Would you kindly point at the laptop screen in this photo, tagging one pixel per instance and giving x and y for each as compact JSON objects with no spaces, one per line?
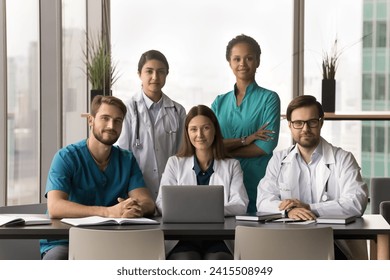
{"x":192,"y":203}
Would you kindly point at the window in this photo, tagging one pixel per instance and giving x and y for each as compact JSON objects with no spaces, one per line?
{"x":187,"y":33}
{"x":381,"y":34}
{"x":366,"y":138}
{"x":73,"y":74}
{"x":388,"y":138}
{"x":380,"y":87}
{"x":367,"y":33}
{"x":22,"y":102}
{"x":367,"y":86}
{"x":325,"y":21}
{"x":379,"y":139}
{"x":193,"y":36}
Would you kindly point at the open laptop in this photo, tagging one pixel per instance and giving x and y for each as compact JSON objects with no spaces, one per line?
{"x":192,"y":204}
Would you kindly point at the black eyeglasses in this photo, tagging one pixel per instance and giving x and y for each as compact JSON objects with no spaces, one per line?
{"x":300,"y":124}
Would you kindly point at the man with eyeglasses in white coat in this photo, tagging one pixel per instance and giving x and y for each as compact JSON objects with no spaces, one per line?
{"x":314,"y":178}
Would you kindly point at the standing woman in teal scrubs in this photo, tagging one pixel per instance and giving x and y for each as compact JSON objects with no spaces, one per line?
{"x":249,"y":115}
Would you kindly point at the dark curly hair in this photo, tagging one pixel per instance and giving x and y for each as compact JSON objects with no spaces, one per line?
{"x":243,"y":39}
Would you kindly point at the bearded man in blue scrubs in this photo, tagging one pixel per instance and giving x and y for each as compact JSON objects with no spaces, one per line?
{"x":95,"y":178}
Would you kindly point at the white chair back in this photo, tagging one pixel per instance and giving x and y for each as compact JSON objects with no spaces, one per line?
{"x":93,"y":244}
{"x":256,"y":243}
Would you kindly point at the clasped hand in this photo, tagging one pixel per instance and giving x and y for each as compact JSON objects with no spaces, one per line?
{"x":297,"y":209}
{"x":127,"y":208}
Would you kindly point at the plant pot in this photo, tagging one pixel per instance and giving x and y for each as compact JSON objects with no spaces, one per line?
{"x":95,"y":92}
{"x":329,"y":95}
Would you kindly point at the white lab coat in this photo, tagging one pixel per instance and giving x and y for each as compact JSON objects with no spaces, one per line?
{"x":347,"y":192}
{"x":158,"y":143}
{"x":227,"y":172}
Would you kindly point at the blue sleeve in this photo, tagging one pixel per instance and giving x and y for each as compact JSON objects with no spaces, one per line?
{"x":271,"y":115}
{"x":60,"y":174}
{"x":214,"y":105}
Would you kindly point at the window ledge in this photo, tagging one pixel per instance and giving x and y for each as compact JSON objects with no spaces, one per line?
{"x":363,"y":116}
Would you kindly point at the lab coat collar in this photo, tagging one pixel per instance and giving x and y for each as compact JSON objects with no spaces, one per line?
{"x":291,"y":154}
{"x":199,"y":171}
{"x":322,"y":169}
{"x":144,"y":102}
{"x":326,"y":152}
{"x":148,"y":102}
{"x":142,"y":97}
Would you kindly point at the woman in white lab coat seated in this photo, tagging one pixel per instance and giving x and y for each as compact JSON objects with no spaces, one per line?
{"x":202,"y":160}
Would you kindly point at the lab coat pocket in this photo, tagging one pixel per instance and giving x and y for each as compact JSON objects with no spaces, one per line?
{"x":285,"y":191}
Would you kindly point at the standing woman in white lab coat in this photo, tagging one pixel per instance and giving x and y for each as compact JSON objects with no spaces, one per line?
{"x":202,"y":160}
{"x":154,"y":123}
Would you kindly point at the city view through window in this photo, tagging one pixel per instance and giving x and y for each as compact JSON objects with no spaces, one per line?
{"x":193,"y":36}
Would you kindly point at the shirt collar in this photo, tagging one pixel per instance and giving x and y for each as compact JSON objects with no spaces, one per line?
{"x":198,"y":170}
{"x":316,"y":155}
{"x":249,"y":88}
{"x":149,"y":102}
{"x":317,"y":152}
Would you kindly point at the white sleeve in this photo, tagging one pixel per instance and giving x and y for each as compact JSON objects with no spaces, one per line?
{"x":268,"y":193}
{"x":124,"y":139}
{"x":238,"y":198}
{"x":168,"y":178}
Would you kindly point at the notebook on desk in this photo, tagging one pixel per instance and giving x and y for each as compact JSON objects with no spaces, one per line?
{"x":192,"y":204}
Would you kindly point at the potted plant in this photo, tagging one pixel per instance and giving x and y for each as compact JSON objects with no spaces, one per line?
{"x":329,"y":68}
{"x":100,"y":69}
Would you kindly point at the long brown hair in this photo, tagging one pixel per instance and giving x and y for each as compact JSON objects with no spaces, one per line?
{"x":187,"y":149}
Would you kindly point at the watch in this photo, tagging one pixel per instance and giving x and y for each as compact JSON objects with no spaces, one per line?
{"x":288,"y":210}
{"x":243,"y":140}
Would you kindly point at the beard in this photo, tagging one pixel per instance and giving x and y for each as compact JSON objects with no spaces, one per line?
{"x":108,"y":142}
{"x":308,"y":140}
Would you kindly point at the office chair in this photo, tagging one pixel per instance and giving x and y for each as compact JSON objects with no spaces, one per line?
{"x":384,"y":210}
{"x":380,"y":191}
{"x":21,"y":249}
{"x":93,"y":244}
{"x":257,"y":243}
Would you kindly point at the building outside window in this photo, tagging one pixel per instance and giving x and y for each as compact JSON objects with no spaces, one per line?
{"x":195,"y":49}
{"x":375,"y":160}
{"x":22,"y":102}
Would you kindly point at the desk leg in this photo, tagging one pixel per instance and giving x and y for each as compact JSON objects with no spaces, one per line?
{"x":373,"y":250}
{"x":383,"y":247}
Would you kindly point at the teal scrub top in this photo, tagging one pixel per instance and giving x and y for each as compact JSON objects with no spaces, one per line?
{"x":258,"y":107}
{"x":74,"y":171}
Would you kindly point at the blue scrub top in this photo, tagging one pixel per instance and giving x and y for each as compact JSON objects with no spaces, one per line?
{"x":74,"y":171}
{"x":258,"y":107}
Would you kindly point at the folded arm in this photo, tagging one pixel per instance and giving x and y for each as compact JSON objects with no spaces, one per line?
{"x":237,"y":148}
